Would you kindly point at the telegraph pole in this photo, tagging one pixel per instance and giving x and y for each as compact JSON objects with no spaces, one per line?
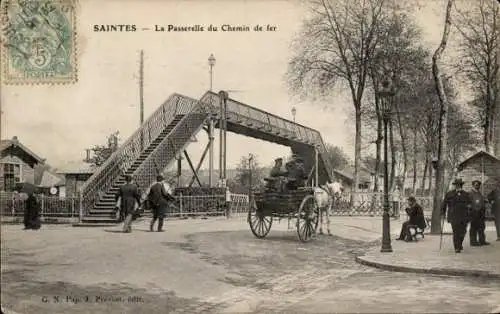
{"x":141,"y":86}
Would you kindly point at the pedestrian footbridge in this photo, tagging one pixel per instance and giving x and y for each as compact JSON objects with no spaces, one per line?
{"x":169,"y":130}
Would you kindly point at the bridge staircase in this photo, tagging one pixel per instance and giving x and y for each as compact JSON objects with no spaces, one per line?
{"x":151,"y":149}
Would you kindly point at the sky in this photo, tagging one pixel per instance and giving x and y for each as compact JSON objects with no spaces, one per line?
{"x":59,"y":122}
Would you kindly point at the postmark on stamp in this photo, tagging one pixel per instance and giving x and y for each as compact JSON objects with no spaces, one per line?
{"x":38,"y":41}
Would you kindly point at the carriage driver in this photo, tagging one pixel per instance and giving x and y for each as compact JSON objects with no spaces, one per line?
{"x":277,"y":174}
{"x":296,"y":173}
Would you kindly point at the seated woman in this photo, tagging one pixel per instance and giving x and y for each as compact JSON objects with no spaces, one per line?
{"x":416,"y":218}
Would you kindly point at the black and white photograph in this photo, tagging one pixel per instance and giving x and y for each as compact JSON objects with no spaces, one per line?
{"x":250,"y":156}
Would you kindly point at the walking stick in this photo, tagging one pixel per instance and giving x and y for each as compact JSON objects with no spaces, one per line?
{"x":441,"y":236}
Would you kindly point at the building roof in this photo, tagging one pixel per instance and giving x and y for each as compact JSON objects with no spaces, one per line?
{"x":348,"y":173}
{"x":4,"y":144}
{"x":77,"y":167}
{"x":479,"y":154}
{"x":50,"y":179}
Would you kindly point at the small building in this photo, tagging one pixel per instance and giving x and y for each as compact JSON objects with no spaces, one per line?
{"x":346,"y":178}
{"x":17,"y":164}
{"x":75,"y":175}
{"x":52,"y":184}
{"x":481,"y":166}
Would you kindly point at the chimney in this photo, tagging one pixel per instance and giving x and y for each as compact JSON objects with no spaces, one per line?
{"x":88,"y":155}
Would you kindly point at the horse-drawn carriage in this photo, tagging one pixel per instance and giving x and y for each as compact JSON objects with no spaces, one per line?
{"x":270,"y":204}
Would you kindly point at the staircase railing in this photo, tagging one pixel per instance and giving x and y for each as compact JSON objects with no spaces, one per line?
{"x":104,"y":177}
{"x":173,"y":145}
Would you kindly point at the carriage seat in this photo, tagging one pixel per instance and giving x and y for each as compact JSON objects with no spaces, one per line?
{"x":273,"y":183}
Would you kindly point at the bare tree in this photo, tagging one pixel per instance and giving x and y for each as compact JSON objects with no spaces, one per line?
{"x":443,"y":100}
{"x":336,"y":46}
{"x":479,"y":27}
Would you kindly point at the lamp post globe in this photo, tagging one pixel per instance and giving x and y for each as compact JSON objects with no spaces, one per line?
{"x":386,"y":94}
{"x":211,"y":63}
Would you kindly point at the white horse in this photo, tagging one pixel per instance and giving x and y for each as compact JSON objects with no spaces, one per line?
{"x":325,"y":197}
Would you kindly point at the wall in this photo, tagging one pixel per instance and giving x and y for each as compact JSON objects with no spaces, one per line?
{"x":27,"y":173}
{"x":473,"y":171}
{"x":74,"y":182}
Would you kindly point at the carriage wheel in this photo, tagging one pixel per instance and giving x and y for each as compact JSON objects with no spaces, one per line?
{"x":259,"y":224}
{"x":307,"y":218}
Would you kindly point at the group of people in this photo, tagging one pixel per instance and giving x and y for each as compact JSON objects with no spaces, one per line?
{"x":290,"y":178}
{"x":470,"y":207}
{"x":462,"y":208}
{"x":157,"y":198}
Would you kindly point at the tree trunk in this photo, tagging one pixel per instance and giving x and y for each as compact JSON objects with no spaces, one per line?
{"x":378,"y":155}
{"x":429,"y":188}
{"x":393,"y":156}
{"x":402,"y":134}
{"x":443,"y":119}
{"x":357,"y":152}
{"x":424,"y":173}
{"x":414,"y":184}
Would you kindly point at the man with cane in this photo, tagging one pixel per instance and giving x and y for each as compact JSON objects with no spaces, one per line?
{"x":458,"y":203}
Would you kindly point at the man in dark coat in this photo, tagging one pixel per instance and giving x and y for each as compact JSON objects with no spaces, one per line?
{"x":276,"y":175}
{"x":130,"y":198}
{"x":494,"y":199}
{"x":458,"y":203}
{"x":296,"y":173}
{"x":478,"y":216}
{"x":415,"y":218}
{"x":158,"y":198}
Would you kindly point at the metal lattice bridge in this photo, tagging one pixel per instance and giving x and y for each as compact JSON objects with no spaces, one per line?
{"x":169,"y":130}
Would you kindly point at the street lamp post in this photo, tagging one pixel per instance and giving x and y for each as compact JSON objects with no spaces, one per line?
{"x":386,"y":94}
{"x":211,"y":63}
{"x":294,"y":111}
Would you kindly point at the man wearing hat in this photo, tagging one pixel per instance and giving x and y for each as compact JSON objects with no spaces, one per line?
{"x":478,"y":216}
{"x":129,"y":198}
{"x":276,"y":171}
{"x":458,"y":203}
{"x":277,"y":174}
{"x":158,"y":196}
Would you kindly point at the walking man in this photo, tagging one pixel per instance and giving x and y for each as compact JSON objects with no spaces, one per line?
{"x":129,"y":199}
{"x":478,"y":216}
{"x":159,"y":195}
{"x":458,"y":203}
{"x":494,"y":199}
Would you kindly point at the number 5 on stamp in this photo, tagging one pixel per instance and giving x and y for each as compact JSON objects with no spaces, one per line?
{"x":38,"y":42}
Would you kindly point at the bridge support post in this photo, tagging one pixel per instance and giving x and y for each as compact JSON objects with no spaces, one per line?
{"x":316,"y":176}
{"x":211,"y":152}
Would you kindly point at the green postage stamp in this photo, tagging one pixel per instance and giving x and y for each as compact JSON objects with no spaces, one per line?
{"x":38,"y":41}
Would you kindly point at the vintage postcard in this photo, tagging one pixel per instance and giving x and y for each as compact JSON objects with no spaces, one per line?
{"x":250,"y":156}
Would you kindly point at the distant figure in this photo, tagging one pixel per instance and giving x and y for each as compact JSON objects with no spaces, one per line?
{"x":396,"y":199}
{"x":458,"y":203}
{"x":130,"y":197}
{"x":159,"y":196}
{"x":494,"y":199}
{"x":32,"y":210}
{"x":415,"y":218}
{"x":478,"y":216}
